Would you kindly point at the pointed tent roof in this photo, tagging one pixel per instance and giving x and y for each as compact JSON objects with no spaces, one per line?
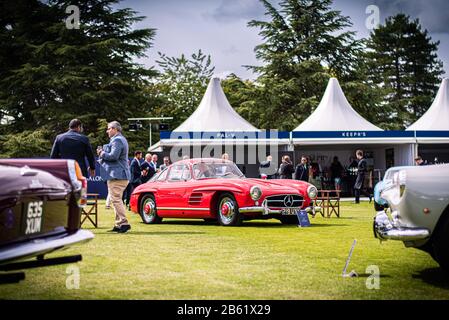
{"x":215,"y":114}
{"x":437,"y":117}
{"x":334,"y":113}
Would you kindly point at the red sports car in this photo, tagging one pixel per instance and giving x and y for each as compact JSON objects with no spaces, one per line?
{"x":215,"y":189}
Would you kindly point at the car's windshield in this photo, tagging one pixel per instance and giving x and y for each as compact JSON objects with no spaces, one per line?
{"x":205,"y":170}
{"x":159,"y":176}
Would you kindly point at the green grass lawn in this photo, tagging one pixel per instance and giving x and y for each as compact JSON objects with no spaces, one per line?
{"x":191,"y":259}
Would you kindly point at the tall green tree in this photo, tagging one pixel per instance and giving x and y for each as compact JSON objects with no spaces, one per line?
{"x":304,"y":44}
{"x":403,"y":64}
{"x":181,"y":84}
{"x":50,"y":73}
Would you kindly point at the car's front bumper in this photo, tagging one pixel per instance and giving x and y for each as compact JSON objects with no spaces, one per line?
{"x":266,"y":211}
{"x":384,"y":229}
{"x":42,"y":246}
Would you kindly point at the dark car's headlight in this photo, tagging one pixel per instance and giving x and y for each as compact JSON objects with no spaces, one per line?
{"x":255,"y":193}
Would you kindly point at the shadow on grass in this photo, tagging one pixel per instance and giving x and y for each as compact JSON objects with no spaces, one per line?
{"x":216,"y":224}
{"x":315,"y":225}
{"x":434,"y":276}
{"x":367,"y":275}
{"x":249,"y":224}
{"x":155,"y":233}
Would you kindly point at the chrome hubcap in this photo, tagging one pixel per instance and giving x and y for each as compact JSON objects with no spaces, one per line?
{"x":227,"y":210}
{"x":149,"y":209}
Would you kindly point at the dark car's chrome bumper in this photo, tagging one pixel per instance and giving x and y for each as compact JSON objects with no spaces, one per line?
{"x":384,"y":230}
{"x":42,"y":246}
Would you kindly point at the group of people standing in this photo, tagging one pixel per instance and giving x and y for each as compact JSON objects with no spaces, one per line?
{"x":142,"y":170}
{"x":120,"y":175}
{"x":307,"y":172}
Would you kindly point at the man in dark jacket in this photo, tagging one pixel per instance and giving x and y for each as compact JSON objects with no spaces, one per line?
{"x":76,"y":146}
{"x":148,"y":170}
{"x":266,"y":170}
{"x":135,"y":169}
{"x":302,"y":170}
{"x":286,"y":169}
{"x":362,"y":170}
{"x":136,"y":172}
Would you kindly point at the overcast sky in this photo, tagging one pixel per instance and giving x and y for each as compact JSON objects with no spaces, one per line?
{"x":219,"y":27}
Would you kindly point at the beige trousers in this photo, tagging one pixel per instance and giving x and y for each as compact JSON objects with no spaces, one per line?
{"x":115,"y":190}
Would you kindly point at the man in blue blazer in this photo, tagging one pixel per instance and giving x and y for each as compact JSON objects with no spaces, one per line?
{"x":115,"y":170}
{"x":74,"y":145}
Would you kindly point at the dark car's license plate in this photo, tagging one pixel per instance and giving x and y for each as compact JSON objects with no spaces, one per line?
{"x":289,"y":211}
{"x":33,"y":215}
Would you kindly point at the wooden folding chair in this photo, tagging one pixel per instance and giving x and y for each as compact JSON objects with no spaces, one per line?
{"x":334,"y":204}
{"x":322,"y":201}
{"x":90,"y":210}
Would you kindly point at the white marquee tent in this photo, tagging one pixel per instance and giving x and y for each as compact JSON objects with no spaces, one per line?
{"x":215,"y":113}
{"x":334,"y":113}
{"x":432,"y":129}
{"x":336,"y":129}
{"x":216,"y":125}
{"x":437,"y":116}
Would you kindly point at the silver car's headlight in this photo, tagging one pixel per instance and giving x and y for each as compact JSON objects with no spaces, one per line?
{"x":394,"y":191}
{"x":255,"y":193}
{"x":312,"y":192}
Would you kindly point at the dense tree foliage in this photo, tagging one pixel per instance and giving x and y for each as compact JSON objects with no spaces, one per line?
{"x":403,"y":64}
{"x":181,"y":85}
{"x":50,"y":74}
{"x":304,"y":44}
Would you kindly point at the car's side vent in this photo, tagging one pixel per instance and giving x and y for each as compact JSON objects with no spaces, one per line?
{"x":195,"y":198}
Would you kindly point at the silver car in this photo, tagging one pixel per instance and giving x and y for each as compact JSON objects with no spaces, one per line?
{"x":418,"y":210}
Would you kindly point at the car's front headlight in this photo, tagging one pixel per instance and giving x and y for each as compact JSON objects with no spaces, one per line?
{"x":255,"y":193}
{"x":312,"y":192}
{"x":394,"y":190}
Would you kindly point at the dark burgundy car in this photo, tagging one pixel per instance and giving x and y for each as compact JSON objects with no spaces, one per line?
{"x":40,"y":203}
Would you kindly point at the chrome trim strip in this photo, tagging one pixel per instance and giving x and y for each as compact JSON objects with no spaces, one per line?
{"x":181,"y":208}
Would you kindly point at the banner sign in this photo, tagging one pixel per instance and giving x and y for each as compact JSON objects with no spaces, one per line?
{"x":352,"y":134}
{"x":228,"y":135}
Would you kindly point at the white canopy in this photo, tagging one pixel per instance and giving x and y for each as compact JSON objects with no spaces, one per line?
{"x":334,"y":113}
{"x":215,"y":114}
{"x":437,"y":117}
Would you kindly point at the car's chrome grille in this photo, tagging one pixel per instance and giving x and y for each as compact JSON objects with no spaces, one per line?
{"x":284,"y":201}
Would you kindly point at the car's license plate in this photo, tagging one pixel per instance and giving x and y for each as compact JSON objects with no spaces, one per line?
{"x":33,"y":217}
{"x":289,"y":211}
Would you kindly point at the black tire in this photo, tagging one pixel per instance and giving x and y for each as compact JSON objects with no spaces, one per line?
{"x":289,"y":220}
{"x":378,"y":207}
{"x":149,"y":217}
{"x":232,"y":216}
{"x":441,"y":245}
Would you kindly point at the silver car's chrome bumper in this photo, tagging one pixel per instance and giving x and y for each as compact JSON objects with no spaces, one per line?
{"x":43,"y":245}
{"x":265,"y":210}
{"x":384,"y":230}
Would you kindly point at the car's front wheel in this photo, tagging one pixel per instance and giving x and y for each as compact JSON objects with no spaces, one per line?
{"x":148,"y":210}
{"x":228,"y":211}
{"x":441,"y":245}
{"x":378,"y":207}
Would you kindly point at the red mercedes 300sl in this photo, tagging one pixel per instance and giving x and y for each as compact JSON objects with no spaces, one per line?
{"x":215,"y":189}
